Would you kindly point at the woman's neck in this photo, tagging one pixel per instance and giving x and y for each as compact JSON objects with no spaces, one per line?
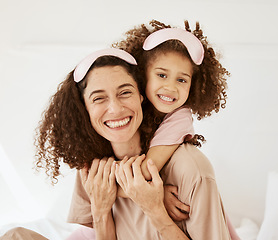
{"x":129,"y":149}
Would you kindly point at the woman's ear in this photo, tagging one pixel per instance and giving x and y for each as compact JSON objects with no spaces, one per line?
{"x":141,"y":98}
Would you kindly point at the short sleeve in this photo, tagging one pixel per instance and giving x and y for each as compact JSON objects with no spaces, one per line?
{"x":174,"y":128}
{"x":80,"y":208}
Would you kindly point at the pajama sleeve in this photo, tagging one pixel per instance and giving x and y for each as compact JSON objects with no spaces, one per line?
{"x":174,"y":128}
{"x":80,"y":208}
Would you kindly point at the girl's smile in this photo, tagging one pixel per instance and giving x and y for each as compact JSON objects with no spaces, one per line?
{"x":168,"y":81}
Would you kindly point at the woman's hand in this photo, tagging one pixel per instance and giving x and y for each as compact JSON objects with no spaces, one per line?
{"x":146,"y":194}
{"x":100,"y":184}
{"x":176,"y":209}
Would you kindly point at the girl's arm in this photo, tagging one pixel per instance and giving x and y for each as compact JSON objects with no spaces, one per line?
{"x":159,"y":155}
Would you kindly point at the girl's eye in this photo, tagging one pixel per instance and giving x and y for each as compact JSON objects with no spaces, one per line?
{"x":182,"y":80}
{"x":161,"y":75}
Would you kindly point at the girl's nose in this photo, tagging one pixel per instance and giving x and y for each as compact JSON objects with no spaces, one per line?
{"x":170,"y":85}
{"x":115,"y":106}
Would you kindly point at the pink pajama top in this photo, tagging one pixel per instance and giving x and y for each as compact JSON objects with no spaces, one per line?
{"x":176,"y":126}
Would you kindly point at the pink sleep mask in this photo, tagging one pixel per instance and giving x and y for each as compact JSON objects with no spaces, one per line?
{"x":83,"y":67}
{"x":189,"y":40}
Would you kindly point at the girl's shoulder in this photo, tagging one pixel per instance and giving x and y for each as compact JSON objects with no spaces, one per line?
{"x":182,"y":112}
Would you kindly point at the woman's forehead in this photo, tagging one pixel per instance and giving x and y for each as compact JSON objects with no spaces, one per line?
{"x":109,"y":76}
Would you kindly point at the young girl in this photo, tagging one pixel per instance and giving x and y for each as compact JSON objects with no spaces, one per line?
{"x":182,"y":75}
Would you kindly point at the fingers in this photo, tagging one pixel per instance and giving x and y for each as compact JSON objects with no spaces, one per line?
{"x":172,"y":189}
{"x":128,"y":170}
{"x":177,"y":215}
{"x":93,"y":170}
{"x":175,"y":201}
{"x":112,"y":176}
{"x":120,"y":175}
{"x":176,"y":209}
{"x":136,"y":168}
{"x":88,"y":173}
{"x":173,"y":210}
{"x":156,"y":179}
{"x":107,"y":169}
{"x":182,"y":207}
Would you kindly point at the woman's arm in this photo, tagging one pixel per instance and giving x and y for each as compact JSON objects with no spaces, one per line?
{"x":148,"y":195}
{"x":100,"y":184}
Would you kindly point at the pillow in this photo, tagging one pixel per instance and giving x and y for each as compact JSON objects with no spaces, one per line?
{"x":248,"y":230}
{"x":269,"y":228}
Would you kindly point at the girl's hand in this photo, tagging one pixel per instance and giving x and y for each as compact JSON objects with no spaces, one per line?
{"x":176,"y":209}
{"x":100,"y":184}
{"x":147,"y":195}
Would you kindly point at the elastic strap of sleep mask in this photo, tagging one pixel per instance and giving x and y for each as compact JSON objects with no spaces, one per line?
{"x":83,"y":67}
{"x":189,"y":40}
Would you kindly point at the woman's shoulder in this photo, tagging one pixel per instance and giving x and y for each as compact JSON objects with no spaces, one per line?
{"x":192,"y":162}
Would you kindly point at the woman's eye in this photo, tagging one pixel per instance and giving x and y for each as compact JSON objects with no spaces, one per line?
{"x":98,"y":99}
{"x":125,"y":93}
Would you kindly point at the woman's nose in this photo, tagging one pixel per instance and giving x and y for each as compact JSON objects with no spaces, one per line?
{"x":115,"y":106}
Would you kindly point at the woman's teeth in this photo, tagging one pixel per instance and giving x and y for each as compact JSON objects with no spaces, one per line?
{"x":167,"y":99}
{"x":116,"y":124}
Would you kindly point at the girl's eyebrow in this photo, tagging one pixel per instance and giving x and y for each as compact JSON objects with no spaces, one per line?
{"x":166,"y":70}
{"x":119,"y":87}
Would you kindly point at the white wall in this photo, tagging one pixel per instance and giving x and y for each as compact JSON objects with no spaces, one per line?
{"x":41,"y":41}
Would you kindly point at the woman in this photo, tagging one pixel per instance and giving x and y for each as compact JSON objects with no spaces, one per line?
{"x":113,"y":102}
{"x":74,"y":134}
{"x":68,"y":127}
{"x":143,"y":215}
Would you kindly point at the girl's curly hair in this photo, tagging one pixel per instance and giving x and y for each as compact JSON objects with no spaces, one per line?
{"x":208,"y":84}
{"x":65,"y":133}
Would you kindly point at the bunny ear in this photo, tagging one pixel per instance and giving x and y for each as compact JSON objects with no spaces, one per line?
{"x":83,"y":67}
{"x":189,"y":40}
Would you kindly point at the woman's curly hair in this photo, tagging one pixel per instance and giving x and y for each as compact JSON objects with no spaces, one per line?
{"x":208,"y":84}
{"x":65,"y":133}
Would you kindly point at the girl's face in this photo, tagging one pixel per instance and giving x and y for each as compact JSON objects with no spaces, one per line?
{"x":113,"y":102}
{"x":168,"y":81}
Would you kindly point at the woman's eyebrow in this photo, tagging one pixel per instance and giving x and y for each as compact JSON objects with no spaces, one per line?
{"x":119,"y":87}
{"x":96,"y":91}
{"x":126,"y":85}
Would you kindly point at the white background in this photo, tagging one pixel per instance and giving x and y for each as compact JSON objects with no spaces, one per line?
{"x":41,"y":41}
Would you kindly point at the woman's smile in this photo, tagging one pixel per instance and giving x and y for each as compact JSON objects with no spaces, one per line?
{"x":113,"y":102}
{"x":115,"y":124}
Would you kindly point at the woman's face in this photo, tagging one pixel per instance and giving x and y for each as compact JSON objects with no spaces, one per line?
{"x":113,"y":102}
{"x":168,"y":81}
